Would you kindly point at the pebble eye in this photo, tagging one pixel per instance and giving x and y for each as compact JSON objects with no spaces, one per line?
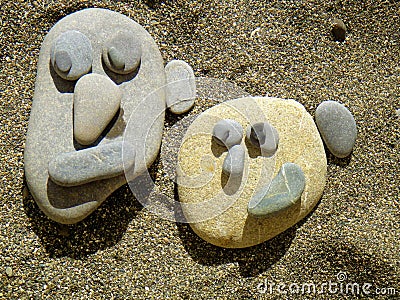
{"x":122,"y":53}
{"x":71,"y":55}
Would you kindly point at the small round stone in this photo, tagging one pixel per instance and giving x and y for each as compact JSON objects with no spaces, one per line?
{"x":281,"y":194}
{"x":234,"y":162}
{"x":9,"y":271}
{"x":339,"y":30}
{"x":337,"y":127}
{"x":398,"y":113}
{"x":122,"y":53}
{"x":228,"y":132}
{"x":71,"y":55}
{"x":265,"y":136}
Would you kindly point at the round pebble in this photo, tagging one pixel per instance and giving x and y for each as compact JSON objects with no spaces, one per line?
{"x":265,"y":136}
{"x":339,"y":30}
{"x":122,"y":53}
{"x":337,"y":127}
{"x":71,"y":55}
{"x":228,"y":133}
{"x":9,"y":271}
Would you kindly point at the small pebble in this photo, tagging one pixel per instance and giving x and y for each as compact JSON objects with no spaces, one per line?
{"x":122,"y":53}
{"x":9,"y":271}
{"x":337,"y":127}
{"x":398,"y":113}
{"x":338,"y":30}
{"x":181,"y":86}
{"x":281,"y":194}
{"x":265,"y":136}
{"x":228,"y":133}
{"x":234,"y":162}
{"x":71,"y":55}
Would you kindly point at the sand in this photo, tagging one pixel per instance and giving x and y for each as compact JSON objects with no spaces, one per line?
{"x":279,"y":48}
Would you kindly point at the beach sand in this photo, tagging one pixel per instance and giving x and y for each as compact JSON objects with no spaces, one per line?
{"x":276,"y":48}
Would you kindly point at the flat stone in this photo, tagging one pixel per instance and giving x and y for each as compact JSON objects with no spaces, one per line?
{"x":339,"y":30}
{"x":337,"y":127}
{"x":227,"y":133}
{"x":234,"y":162}
{"x":265,"y":136}
{"x":220,"y":215}
{"x":122,"y":53}
{"x":281,"y":194}
{"x":96,"y":101}
{"x":181,"y":86}
{"x":51,"y":125}
{"x":71,"y":55}
{"x":80,"y":167}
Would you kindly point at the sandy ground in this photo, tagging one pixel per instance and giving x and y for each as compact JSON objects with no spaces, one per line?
{"x":275,"y":48}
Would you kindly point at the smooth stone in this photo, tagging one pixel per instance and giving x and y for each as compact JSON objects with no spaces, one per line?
{"x":9,"y":272}
{"x":337,"y":127}
{"x":339,"y":30}
{"x":80,"y":167}
{"x":71,"y":55}
{"x":223,"y":220}
{"x":234,"y":162}
{"x":122,"y":53}
{"x":96,"y":101}
{"x":265,"y":136}
{"x":51,"y":124}
{"x":181,"y":86}
{"x":281,"y":194}
{"x":228,"y":133}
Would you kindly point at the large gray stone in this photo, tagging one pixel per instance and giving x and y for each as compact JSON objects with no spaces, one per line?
{"x":337,"y":127}
{"x":96,"y":101}
{"x":50,"y":131}
{"x":281,"y":194}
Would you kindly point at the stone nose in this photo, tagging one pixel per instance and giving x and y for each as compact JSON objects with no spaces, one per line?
{"x":96,"y":101}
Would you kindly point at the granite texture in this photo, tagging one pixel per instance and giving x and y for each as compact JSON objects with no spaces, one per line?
{"x":300,"y":143}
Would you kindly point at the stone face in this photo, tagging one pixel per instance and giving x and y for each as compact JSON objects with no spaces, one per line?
{"x":71,"y":55}
{"x":337,"y":127}
{"x":227,"y":133}
{"x":122,"y":53}
{"x":299,"y":143}
{"x":339,"y":30}
{"x":264,"y":136}
{"x":51,"y":124}
{"x":281,"y":194}
{"x":234,"y":162}
{"x":80,"y":167}
{"x":181,"y":86}
{"x":96,"y":100}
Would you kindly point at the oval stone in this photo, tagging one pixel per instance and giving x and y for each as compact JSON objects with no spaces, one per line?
{"x":337,"y":127}
{"x":234,"y":227}
{"x":228,"y":133}
{"x":234,"y":161}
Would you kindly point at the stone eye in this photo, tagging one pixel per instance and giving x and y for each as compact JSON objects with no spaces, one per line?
{"x":265,"y":136}
{"x":122,"y":53}
{"x":71,"y":55}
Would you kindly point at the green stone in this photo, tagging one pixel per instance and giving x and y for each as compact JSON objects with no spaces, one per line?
{"x":281,"y":194}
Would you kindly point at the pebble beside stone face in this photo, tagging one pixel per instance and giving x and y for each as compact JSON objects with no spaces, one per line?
{"x":234,"y":162}
{"x":265,"y":136}
{"x":228,"y":133}
{"x":337,"y":127}
{"x":71,"y":55}
{"x":281,"y":194}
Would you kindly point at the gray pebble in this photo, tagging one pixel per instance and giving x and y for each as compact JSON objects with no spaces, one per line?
{"x":80,"y":167}
{"x":71,"y":55}
{"x":234,"y":162}
{"x":283,"y":193}
{"x":228,"y":133}
{"x":122,"y":53}
{"x":337,"y":127}
{"x":265,"y":136}
{"x":181,"y":86}
{"x":96,"y":101}
{"x":339,"y":30}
